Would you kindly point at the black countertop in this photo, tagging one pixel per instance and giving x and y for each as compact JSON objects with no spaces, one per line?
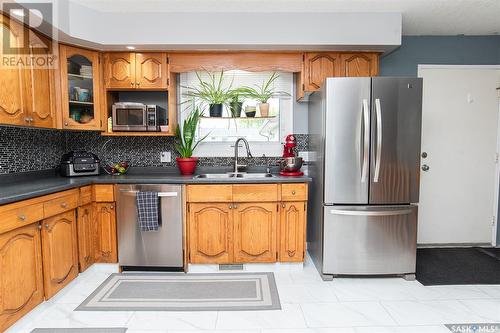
{"x":27,"y":185}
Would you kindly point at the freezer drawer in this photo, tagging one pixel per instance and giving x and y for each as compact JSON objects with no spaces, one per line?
{"x":162,"y":248}
{"x":370,"y":240}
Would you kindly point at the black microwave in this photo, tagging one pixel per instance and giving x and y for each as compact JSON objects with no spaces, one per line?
{"x":138,"y":117}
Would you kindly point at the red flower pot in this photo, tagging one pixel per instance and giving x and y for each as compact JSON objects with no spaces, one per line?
{"x":187,"y":166}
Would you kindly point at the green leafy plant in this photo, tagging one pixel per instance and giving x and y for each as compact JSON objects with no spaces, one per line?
{"x":263,"y":92}
{"x":211,"y":91}
{"x":186,"y":135}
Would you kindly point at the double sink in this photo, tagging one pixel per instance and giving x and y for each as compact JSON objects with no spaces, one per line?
{"x":232,"y":175}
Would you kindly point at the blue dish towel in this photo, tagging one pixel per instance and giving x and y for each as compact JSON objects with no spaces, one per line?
{"x":148,"y":209}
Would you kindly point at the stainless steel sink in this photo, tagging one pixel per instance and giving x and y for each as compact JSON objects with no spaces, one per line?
{"x":232,"y":175}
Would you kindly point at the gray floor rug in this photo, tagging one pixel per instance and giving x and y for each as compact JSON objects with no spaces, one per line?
{"x":184,"y":292}
{"x":79,"y":330}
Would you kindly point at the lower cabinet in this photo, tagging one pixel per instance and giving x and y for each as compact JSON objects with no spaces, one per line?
{"x":85,"y":225}
{"x":255,"y":232}
{"x":292,"y":231}
{"x":60,"y":252}
{"x":249,"y":223}
{"x":105,"y":245}
{"x":210,"y":233}
{"x":21,"y":282}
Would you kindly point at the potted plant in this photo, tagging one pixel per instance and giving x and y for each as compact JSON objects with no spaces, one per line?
{"x":187,"y":143}
{"x":263,"y":93}
{"x":212,"y":92}
{"x":235,"y":105}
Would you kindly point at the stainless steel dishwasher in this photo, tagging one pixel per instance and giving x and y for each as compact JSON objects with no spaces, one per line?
{"x":153,"y":249}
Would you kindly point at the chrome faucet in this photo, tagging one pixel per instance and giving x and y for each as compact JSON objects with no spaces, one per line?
{"x":236,"y":146}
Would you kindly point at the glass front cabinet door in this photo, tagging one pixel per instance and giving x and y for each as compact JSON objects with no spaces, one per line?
{"x":80,"y":86}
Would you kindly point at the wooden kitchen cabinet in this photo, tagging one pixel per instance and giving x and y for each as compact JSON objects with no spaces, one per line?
{"x":210,"y":233}
{"x":60,"y":252}
{"x":359,"y":64}
{"x":319,"y":66}
{"x":21,"y":282}
{"x":128,"y":70}
{"x":40,"y":86}
{"x":26,"y":92}
{"x":85,"y":228}
{"x":292,"y":231}
{"x":80,"y":88}
{"x":105,"y":246}
{"x":255,"y":232}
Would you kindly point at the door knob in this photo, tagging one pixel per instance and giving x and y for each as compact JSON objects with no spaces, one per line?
{"x":425,"y":167}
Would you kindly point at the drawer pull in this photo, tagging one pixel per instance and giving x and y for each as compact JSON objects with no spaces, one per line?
{"x":235,"y":206}
{"x":230,"y":206}
{"x":22,"y":217}
{"x":47,"y":226}
{"x":64,"y":205}
{"x":283,"y":205}
{"x":293,"y":192}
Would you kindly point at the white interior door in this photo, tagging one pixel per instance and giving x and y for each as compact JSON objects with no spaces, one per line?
{"x":459,"y":135}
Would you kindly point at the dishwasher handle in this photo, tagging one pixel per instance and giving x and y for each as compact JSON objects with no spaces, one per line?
{"x":160,"y":194}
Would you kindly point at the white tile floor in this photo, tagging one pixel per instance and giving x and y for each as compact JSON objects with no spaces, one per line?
{"x":389,"y":305}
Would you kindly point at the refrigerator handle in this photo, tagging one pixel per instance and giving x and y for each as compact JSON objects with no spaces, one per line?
{"x":378,"y":155}
{"x":366,"y":140}
{"x":371,"y":213}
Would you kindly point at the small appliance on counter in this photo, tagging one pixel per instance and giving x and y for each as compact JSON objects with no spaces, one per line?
{"x":79,"y":163}
{"x":138,"y":117}
{"x":290,"y":164}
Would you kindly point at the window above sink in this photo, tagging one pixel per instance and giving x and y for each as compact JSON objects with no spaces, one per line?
{"x":263,"y":132}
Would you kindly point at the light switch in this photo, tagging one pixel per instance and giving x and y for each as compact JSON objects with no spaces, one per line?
{"x":165,"y":157}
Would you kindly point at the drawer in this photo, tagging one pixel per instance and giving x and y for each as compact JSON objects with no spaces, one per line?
{"x":104,"y":193}
{"x":294,"y":192}
{"x":85,"y":195}
{"x":20,"y":216}
{"x":209,"y":193}
{"x":255,"y":193}
{"x":60,"y":205}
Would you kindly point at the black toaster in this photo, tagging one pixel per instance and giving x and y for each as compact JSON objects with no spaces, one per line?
{"x":79,"y":163}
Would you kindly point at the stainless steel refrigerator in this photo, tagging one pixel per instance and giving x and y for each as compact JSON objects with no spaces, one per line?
{"x":365,"y":148}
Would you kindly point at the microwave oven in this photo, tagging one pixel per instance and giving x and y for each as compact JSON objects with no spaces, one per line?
{"x":138,"y":117}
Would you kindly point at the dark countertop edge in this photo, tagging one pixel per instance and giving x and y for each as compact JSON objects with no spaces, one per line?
{"x":136,"y":179}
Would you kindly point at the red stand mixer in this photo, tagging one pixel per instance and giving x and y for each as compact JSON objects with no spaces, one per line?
{"x":290,"y":164}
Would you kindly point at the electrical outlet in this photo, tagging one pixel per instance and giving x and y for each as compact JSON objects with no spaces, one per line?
{"x":165,"y":157}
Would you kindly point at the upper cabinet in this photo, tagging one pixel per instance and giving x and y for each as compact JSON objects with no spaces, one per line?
{"x":26,"y":91}
{"x":125,"y":70}
{"x":80,"y":89}
{"x":359,"y":64}
{"x":317,"y":66}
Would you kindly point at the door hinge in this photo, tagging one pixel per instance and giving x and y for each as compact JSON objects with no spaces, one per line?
{"x":303,"y":87}
{"x":189,"y":208}
{"x":189,"y":256}
{"x":168,"y":60}
{"x":493,"y":220}
{"x":496,"y":158}
{"x":168,"y":81}
{"x":277,"y":207}
{"x":276,"y":256}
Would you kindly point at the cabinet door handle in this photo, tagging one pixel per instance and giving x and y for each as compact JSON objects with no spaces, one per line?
{"x":230,"y":206}
{"x":22,"y":217}
{"x":283,"y":205}
{"x":132,"y":84}
{"x":111,"y":207}
{"x":47,"y":226}
{"x":138,"y":83}
{"x":66,"y":123}
{"x":64,"y":205}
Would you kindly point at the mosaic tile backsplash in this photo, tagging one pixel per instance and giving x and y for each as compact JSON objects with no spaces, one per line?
{"x":24,"y":149}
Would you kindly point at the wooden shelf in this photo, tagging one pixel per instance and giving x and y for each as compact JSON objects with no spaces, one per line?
{"x":80,"y":103}
{"x":81,"y":77}
{"x":137,"y":134}
{"x":246,"y":118}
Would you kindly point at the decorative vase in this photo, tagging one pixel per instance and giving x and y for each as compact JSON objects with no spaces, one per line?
{"x":187,"y":166}
{"x":236,"y":109}
{"x":264,"y":109}
{"x":250,"y":111}
{"x":215,"y":110}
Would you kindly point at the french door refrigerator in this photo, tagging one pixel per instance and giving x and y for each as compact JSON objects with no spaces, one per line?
{"x":365,"y":142}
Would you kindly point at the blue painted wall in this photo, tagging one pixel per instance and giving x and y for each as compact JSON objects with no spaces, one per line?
{"x":450,"y":50}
